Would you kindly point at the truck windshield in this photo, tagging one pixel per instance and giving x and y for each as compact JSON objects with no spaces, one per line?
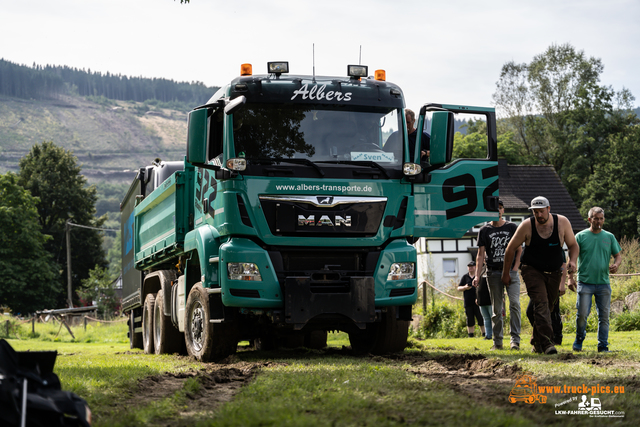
{"x":319,"y":134}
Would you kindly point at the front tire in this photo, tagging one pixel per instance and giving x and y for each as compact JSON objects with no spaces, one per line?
{"x":205,"y":340}
{"x":147,"y":323}
{"x":167,"y":338}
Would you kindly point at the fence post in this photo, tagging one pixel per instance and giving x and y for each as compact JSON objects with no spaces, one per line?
{"x":424,"y":298}
{"x":33,"y":325}
{"x":7,"y":324}
{"x":85,"y":323}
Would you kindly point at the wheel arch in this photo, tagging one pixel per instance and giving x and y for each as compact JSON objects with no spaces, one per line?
{"x":202,"y":244}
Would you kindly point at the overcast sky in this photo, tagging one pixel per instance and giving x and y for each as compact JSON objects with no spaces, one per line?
{"x":437,"y":51}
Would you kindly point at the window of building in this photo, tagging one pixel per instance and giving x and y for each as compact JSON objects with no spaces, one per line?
{"x":450,"y":266}
{"x":516,"y":219}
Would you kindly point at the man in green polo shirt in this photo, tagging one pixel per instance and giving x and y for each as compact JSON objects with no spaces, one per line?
{"x":596,"y":248}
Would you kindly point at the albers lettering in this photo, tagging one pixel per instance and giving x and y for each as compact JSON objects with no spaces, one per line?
{"x":317,"y":92}
{"x":324,"y":220}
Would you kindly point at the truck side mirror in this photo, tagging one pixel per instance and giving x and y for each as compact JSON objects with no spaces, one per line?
{"x":442,"y":131}
{"x":197,"y":136}
{"x":234,"y":105}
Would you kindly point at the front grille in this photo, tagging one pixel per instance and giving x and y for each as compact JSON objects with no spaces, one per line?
{"x":325,"y":216}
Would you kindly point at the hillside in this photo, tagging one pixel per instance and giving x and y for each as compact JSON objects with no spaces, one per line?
{"x":110,"y":138}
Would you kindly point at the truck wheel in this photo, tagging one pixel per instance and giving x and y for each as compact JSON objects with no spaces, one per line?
{"x":166,"y":337}
{"x":387,"y":336}
{"x":147,"y":323}
{"x":135,"y":339}
{"x":316,"y":340}
{"x":205,"y":340}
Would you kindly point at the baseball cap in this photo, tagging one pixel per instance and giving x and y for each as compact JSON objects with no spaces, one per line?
{"x":500,"y":203}
{"x":539,"y":202}
{"x":471,"y":264}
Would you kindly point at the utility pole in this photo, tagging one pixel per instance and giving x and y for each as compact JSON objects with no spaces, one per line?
{"x":69,"y":287}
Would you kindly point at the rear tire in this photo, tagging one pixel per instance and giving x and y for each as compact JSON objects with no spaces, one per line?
{"x":135,"y":338}
{"x":167,"y":339}
{"x":387,"y":336}
{"x":147,"y":323}
{"x":205,"y":340}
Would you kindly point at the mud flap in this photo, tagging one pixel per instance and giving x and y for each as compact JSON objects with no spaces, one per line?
{"x":301,"y":304}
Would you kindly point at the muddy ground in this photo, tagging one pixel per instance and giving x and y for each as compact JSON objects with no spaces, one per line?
{"x":477,"y":376}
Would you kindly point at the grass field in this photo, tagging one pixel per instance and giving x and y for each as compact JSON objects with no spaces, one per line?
{"x":433,"y":382}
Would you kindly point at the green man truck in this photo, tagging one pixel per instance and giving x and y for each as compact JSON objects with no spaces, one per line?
{"x":293,"y":213}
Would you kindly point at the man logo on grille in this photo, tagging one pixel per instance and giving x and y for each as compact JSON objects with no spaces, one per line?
{"x":325,"y":200}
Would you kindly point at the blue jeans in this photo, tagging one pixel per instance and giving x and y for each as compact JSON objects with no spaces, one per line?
{"x":496,"y":291}
{"x":486,"y":315}
{"x":602,"y":294}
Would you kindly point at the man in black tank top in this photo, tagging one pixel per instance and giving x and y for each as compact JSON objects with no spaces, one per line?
{"x":544,"y":236}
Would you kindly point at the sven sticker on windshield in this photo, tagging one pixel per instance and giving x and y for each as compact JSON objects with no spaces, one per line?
{"x":318,"y":93}
{"x":375,"y":156}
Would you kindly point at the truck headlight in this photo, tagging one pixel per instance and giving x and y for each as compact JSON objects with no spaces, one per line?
{"x":243,"y":271}
{"x":401,"y":271}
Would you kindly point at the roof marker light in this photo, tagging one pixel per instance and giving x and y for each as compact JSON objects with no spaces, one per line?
{"x":381,"y":75}
{"x":246,"y":70}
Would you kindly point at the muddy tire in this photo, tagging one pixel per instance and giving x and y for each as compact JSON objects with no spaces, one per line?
{"x":205,"y":340}
{"x":135,"y":339}
{"x":147,"y":323}
{"x":387,"y":336}
{"x":166,"y":337}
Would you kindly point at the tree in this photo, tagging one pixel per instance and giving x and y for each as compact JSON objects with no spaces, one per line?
{"x":473,"y":145}
{"x":99,"y":289}
{"x":28,"y":272}
{"x":613,"y":184}
{"x":50,"y":173}
{"x":560,"y":114}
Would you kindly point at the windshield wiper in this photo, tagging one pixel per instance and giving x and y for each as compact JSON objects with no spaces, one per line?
{"x":272,"y":160}
{"x":362,"y":163}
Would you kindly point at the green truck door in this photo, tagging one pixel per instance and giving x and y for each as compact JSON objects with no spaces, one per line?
{"x":458,"y":194}
{"x":456,"y":199}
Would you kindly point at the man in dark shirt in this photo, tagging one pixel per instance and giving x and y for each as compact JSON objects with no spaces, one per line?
{"x":544,"y":236}
{"x":413,"y":133}
{"x":471,"y":309}
{"x":492,"y":242}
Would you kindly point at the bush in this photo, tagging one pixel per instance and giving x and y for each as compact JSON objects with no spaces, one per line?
{"x":626,"y":321}
{"x":443,"y":320}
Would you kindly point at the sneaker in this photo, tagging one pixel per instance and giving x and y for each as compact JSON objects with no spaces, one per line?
{"x":551,"y":350}
{"x":497,"y":347}
{"x":488,"y":338}
{"x":515,"y":346}
{"x":576,"y":349}
{"x":536,"y":350}
{"x":603,"y":350}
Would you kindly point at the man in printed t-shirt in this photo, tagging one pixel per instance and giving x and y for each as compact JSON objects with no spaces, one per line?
{"x":493,"y":239}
